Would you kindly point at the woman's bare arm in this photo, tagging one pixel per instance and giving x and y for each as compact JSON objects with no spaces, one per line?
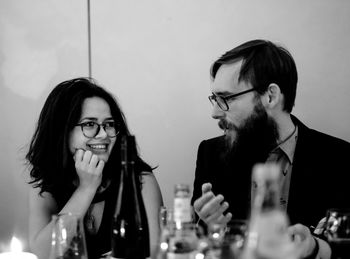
{"x":153,"y":200}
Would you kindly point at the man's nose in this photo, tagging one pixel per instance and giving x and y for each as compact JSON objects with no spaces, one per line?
{"x":217,"y":112}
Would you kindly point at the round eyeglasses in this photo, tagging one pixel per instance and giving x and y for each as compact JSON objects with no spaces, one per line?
{"x":91,"y":129}
{"x":222,"y":100}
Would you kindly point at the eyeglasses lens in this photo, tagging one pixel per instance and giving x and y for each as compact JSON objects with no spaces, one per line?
{"x":92,"y":129}
{"x":220,"y":102}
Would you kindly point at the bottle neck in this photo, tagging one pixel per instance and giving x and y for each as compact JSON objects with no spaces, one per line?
{"x":267,"y":196}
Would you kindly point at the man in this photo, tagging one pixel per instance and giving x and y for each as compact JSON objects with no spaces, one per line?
{"x":253,"y":93}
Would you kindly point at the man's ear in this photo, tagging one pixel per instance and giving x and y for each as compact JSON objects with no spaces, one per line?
{"x":273,"y":96}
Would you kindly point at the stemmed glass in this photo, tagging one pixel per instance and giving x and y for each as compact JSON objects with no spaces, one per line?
{"x":68,"y":237}
{"x":337,"y":232}
{"x":226,"y":240}
{"x":235,"y":236}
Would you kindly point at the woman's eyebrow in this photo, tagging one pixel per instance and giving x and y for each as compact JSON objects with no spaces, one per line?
{"x":96,"y":119}
{"x":89,"y":118}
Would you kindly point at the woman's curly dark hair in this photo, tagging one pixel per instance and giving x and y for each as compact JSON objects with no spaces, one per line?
{"x":51,"y":163}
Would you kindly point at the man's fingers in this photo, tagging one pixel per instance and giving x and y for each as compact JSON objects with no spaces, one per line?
{"x":297,"y":239}
{"x":298,"y":229}
{"x":299,"y":232}
{"x":206,"y":187}
{"x":224,"y":219}
{"x":211,"y":206}
{"x":216,"y":214}
{"x":228,"y":217}
{"x":201,"y":201}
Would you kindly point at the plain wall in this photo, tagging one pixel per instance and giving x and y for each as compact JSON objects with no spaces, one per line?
{"x":154,"y":56}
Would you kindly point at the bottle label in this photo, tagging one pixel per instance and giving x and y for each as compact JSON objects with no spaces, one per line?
{"x":182,"y":209}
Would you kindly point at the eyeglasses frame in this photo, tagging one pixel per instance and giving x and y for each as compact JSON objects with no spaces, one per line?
{"x":227,"y":98}
{"x":103,"y":125}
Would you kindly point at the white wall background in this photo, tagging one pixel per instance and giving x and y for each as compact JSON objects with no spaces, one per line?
{"x":155,"y":57}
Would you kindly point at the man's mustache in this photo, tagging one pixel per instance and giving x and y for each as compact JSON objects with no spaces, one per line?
{"x":224,"y":125}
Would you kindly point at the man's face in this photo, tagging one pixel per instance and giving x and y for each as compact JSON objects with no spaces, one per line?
{"x":240,"y":108}
{"x":246,"y":124}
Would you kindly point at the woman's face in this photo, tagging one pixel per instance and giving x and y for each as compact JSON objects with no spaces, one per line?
{"x":95,"y":110}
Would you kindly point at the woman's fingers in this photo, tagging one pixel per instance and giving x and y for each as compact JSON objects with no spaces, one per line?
{"x":78,"y":155}
{"x":93,"y":162}
{"x":87,"y":161}
{"x":87,"y":157}
{"x":100,"y":166}
{"x":89,"y":168}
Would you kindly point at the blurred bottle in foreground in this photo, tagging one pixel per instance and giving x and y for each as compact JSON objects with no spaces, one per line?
{"x":267,"y":227}
{"x":183,"y":239}
{"x":130,"y":235}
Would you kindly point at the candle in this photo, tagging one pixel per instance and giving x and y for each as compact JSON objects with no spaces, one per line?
{"x":16,"y":251}
{"x":17,"y":255}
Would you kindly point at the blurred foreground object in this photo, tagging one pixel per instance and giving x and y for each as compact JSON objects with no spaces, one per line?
{"x":68,"y":237}
{"x":267,"y":235}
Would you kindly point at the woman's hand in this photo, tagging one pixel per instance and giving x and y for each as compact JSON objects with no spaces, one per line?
{"x":89,"y":169}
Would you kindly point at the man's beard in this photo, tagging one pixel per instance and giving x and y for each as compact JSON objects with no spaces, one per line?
{"x":253,"y":141}
{"x":245,"y":146}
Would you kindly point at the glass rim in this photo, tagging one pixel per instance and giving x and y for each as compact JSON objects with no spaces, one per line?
{"x":339,"y":210}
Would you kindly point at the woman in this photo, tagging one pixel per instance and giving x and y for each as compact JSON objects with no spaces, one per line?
{"x":75,"y":163}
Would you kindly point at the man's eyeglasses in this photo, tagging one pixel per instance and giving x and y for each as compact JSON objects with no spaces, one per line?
{"x":222,"y":100}
{"x":90,"y":129}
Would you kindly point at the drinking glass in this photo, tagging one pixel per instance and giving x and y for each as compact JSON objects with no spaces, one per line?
{"x":68,"y":237}
{"x":337,"y":232}
{"x":235,"y":236}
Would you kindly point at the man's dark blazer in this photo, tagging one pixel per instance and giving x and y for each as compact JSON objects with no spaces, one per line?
{"x":318,"y":182}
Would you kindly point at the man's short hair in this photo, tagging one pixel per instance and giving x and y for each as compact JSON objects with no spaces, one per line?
{"x":263,"y":63}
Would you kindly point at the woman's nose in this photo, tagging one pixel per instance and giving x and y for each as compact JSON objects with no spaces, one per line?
{"x":101,"y":132}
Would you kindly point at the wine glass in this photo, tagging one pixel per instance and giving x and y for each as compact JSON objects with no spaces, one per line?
{"x":68,"y":237}
{"x":235,"y":236}
{"x":337,"y":232}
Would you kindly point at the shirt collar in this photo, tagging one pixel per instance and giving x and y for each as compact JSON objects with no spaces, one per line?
{"x":288,"y":145}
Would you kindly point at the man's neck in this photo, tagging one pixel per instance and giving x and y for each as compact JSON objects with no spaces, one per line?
{"x":286,"y":127}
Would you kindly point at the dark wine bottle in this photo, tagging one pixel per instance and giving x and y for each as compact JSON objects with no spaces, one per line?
{"x":130,"y":234}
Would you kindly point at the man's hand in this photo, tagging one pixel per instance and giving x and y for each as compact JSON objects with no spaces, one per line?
{"x":303,"y":239}
{"x":210,"y":207}
{"x":306,"y":242}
